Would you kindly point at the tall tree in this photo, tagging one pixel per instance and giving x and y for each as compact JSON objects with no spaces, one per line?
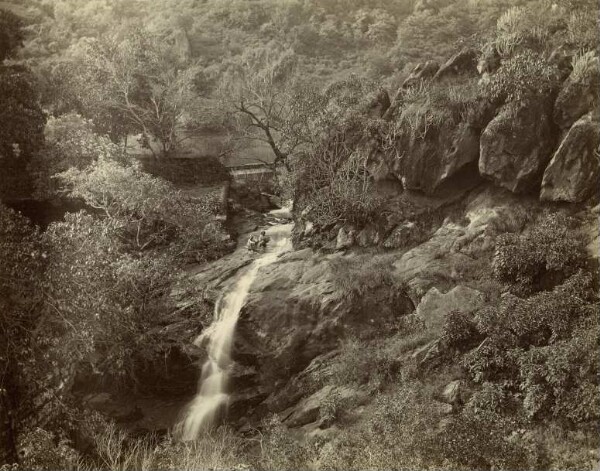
{"x":140,"y":81}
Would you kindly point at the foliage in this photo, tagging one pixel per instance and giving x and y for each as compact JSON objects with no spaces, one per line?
{"x":270,"y":105}
{"x":70,"y":143}
{"x":399,"y":434}
{"x":147,"y":211}
{"x":333,"y":184}
{"x":487,"y":441}
{"x":22,"y":128}
{"x":459,"y":330}
{"x":280,"y":450}
{"x":138,"y":79}
{"x":525,"y":75}
{"x":586,"y":68}
{"x":22,"y":258}
{"x":528,"y":26}
{"x":543,"y":349}
{"x":39,"y":451}
{"x":11,"y":34}
{"x":363,"y":363}
{"x":551,"y":250}
{"x":100,"y":299}
{"x":358,"y":277}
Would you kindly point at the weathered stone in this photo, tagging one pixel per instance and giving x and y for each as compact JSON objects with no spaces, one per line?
{"x":573,"y":173}
{"x":435,"y":306}
{"x":452,"y":392}
{"x":461,"y":63}
{"x":344,"y":239}
{"x":308,"y":409}
{"x":579,"y":95}
{"x":422,"y":71}
{"x":295,"y":312}
{"x":516,"y":146}
{"x":425,"y":164}
{"x":368,"y":237}
{"x":403,"y":235}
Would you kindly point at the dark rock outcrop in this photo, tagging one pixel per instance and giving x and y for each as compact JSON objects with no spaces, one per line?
{"x":295,"y":312}
{"x":462,"y":63}
{"x":421,"y":72}
{"x":579,"y":95}
{"x":425,"y":163}
{"x":516,"y":146}
{"x":573,"y":173}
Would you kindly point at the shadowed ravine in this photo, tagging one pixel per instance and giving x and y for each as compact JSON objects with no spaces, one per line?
{"x":212,"y":396}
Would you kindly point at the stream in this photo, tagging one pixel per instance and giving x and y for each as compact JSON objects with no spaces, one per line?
{"x":212,"y":398}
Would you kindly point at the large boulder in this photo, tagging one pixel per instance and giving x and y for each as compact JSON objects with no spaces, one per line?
{"x":573,"y":172}
{"x":516,"y":146}
{"x":579,"y":94}
{"x":425,"y":163}
{"x":296,"y":311}
{"x":461,"y":63}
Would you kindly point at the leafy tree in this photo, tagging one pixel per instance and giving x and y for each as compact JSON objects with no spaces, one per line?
{"x":22,"y":260}
{"x":70,"y":143}
{"x":147,"y":212}
{"x":142,"y":84}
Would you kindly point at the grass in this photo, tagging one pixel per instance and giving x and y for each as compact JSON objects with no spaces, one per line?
{"x":585,"y":64}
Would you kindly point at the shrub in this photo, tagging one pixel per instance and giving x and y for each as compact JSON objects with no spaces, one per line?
{"x":281,"y":450}
{"x":543,"y":349}
{"x":361,"y":363}
{"x":459,"y":330}
{"x":357,"y":277}
{"x":486,"y":441}
{"x":553,"y":249}
{"x":524,"y":75}
{"x":40,"y":450}
{"x":586,"y":68}
{"x":398,"y":435}
{"x":582,"y":28}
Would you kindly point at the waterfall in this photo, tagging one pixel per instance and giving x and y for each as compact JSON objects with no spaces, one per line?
{"x":212,"y":396}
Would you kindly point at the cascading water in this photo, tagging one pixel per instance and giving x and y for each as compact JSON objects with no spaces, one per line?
{"x":212,"y":396}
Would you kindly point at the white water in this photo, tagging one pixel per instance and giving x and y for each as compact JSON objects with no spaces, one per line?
{"x":212,"y":397}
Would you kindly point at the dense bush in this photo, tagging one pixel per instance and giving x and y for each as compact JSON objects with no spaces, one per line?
{"x":148,"y":212}
{"x":551,"y":250}
{"x":459,"y":330}
{"x":525,"y":75}
{"x":543,"y":349}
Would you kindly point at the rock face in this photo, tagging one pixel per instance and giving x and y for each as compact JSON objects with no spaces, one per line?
{"x":579,"y":95}
{"x":295,"y":312}
{"x":425,"y":163}
{"x":435,"y":306}
{"x":462,"y":63}
{"x":516,"y":146}
{"x":423,"y":71}
{"x":573,"y":172}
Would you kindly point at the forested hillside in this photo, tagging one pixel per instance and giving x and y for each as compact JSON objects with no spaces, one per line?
{"x":436,"y":306}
